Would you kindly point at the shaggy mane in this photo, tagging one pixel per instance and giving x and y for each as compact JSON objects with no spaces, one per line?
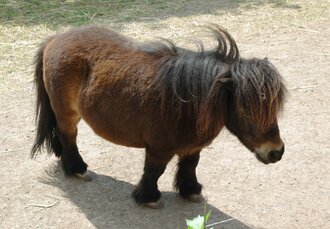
{"x":260,"y":91}
{"x":191,"y":89}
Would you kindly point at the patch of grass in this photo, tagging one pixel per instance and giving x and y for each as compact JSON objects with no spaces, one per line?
{"x":274,"y":3}
{"x":58,"y":13}
{"x":76,"y":12}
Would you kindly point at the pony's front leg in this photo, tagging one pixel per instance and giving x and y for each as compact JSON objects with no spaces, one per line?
{"x":147,"y":190}
{"x":186,"y":181}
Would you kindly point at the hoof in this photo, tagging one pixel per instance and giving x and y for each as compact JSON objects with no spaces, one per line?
{"x":86,"y":176}
{"x":195,"y":198}
{"x":155,"y":205}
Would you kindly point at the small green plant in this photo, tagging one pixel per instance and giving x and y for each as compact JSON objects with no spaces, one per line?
{"x":199,"y":222}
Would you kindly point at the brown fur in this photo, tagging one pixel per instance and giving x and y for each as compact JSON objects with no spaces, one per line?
{"x":157,"y":96}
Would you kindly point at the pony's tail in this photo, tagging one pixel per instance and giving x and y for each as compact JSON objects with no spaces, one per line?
{"x":45,"y":117}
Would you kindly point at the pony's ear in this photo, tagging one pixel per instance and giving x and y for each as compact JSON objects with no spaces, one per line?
{"x":265,"y":60}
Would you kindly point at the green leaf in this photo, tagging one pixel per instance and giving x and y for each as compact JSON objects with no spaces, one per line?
{"x":207,"y":217}
{"x":196,"y":223}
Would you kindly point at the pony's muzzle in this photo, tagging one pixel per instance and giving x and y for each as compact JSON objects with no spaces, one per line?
{"x":267,"y":154}
{"x":275,"y":155}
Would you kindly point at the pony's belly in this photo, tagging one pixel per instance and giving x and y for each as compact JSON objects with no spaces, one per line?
{"x":116,"y":133}
{"x":111,"y":118}
{"x":121,"y":140}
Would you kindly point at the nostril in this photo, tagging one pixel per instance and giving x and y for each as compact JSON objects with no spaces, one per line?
{"x":275,"y":156}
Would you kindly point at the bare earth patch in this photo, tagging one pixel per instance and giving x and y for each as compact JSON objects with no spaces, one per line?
{"x":240,"y":191}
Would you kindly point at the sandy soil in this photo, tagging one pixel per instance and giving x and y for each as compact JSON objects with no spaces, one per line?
{"x":294,"y":193}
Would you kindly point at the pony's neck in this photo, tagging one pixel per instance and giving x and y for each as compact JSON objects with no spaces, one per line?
{"x":189,"y":87}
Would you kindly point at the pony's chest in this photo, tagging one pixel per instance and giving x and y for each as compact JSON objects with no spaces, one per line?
{"x":196,"y":144}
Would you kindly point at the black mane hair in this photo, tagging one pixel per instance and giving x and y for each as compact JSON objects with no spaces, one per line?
{"x":191,"y":83}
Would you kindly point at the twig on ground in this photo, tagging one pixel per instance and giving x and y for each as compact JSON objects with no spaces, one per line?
{"x":44,"y":205}
{"x":53,"y":196}
{"x":302,"y":87}
{"x":3,"y":140}
{"x":282,"y":42}
{"x":13,"y":150}
{"x":58,"y":199}
{"x":6,"y":111}
{"x":309,"y":30}
{"x":90,"y":17}
{"x":221,"y":222}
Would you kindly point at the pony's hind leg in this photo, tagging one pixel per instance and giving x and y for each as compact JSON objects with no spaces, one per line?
{"x":63,"y":85}
{"x":186,"y":181}
{"x":66,"y":132}
{"x":147,"y":192}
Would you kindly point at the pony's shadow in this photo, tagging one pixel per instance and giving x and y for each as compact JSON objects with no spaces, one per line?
{"x":107,"y":203}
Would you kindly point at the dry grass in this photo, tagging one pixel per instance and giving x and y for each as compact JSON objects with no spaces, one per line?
{"x":57,"y":13}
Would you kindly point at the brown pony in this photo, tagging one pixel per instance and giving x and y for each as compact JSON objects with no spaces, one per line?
{"x":168,"y":100}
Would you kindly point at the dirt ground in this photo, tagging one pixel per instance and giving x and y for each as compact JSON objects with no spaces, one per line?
{"x":240,"y":191}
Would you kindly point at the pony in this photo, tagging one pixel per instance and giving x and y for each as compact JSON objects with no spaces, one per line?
{"x":166,"y":99}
